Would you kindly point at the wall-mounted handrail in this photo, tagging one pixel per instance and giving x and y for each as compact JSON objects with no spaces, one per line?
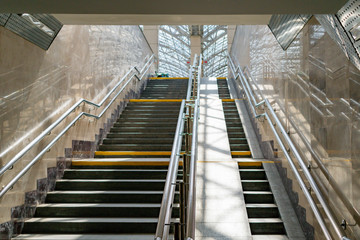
{"x":345,"y":200}
{"x":67,"y":113}
{"x":250,"y":95}
{"x":59,"y":120}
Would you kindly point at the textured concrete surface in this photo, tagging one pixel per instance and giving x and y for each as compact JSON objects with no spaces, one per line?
{"x":288,"y":215}
{"x":220,"y":206}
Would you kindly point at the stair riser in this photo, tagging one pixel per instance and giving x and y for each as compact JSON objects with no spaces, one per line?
{"x":256,"y":186}
{"x":260,"y":212}
{"x":105,"y":198}
{"x":111,"y":212}
{"x":267,"y":228}
{"x":142,"y":147}
{"x":94,"y":227}
{"x":138,"y":141}
{"x":109,"y":186}
{"x":113,"y":175}
{"x":256,"y":198}
{"x":254,"y":175}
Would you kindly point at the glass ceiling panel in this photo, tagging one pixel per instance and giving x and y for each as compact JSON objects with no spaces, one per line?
{"x":174,"y":50}
{"x":214,"y":48}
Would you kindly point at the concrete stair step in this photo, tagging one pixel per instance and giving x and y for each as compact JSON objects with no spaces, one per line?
{"x":270,"y":237}
{"x":266,"y":226}
{"x":140,"y":134}
{"x":150,"y":115}
{"x":154,"y":104}
{"x":86,"y":210}
{"x":147,"y":119}
{"x":238,"y":141}
{"x":136,"y":147}
{"x":153,"y":110}
{"x":258,"y":197}
{"x":236,"y":134}
{"x":90,"y":225}
{"x":115,"y":174}
{"x":248,"y":174}
{"x":105,"y":197}
{"x":239,"y":147}
{"x":255,"y":185}
{"x":137,"y":140}
{"x":109,"y":185}
{"x":145,"y":124}
{"x":262,"y":211}
{"x":143,"y":129}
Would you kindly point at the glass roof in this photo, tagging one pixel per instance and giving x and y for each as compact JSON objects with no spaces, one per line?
{"x":174,"y":49}
{"x":214,"y":48}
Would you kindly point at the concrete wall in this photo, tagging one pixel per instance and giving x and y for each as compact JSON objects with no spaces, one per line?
{"x":314,"y":84}
{"x":37,"y":86}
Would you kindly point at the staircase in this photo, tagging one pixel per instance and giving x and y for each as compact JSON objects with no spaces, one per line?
{"x":118,"y":194}
{"x":238,"y":144}
{"x":263,"y":213}
{"x":147,"y":126}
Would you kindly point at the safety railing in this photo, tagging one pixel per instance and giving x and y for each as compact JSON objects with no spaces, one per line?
{"x":335,"y":186}
{"x":288,"y":147}
{"x":186,"y":126}
{"x":124,"y":81}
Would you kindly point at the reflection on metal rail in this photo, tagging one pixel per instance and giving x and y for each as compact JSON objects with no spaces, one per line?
{"x":18,"y":156}
{"x":274,"y":121}
{"x":188,"y":119}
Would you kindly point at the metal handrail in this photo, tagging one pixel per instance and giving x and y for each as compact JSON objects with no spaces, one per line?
{"x":248,"y":91}
{"x":350,"y":207}
{"x":60,"y":119}
{"x":169,"y":189}
{"x":191,"y":201}
{"x":163,"y":226}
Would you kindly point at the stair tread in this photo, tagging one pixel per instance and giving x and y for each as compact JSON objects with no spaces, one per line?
{"x":269,"y":237}
{"x":257,"y":192}
{"x":104,"y":192}
{"x":95,"y":205}
{"x":111,"y":180}
{"x":254,"y":180}
{"x":93,"y":220}
{"x":116,"y":170}
{"x":265,"y":220}
{"x":260,"y":205}
{"x":85,"y":236}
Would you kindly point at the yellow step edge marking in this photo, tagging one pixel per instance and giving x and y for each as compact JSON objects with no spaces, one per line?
{"x":231,"y":100}
{"x":167,"y":78}
{"x":241,"y":153}
{"x":221,"y":78}
{"x":115,"y":153}
{"x":121,"y":163}
{"x":155,"y":100}
{"x":253,"y":163}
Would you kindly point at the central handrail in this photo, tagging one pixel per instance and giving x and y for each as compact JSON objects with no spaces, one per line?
{"x":254,"y":104}
{"x":60,"y":119}
{"x":164,"y":222}
{"x":191,"y":201}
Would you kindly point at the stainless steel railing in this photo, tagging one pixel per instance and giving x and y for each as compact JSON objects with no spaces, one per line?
{"x":191,"y":201}
{"x":188,"y":113}
{"x":349,"y":206}
{"x":133,"y":72}
{"x":282,"y":139}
